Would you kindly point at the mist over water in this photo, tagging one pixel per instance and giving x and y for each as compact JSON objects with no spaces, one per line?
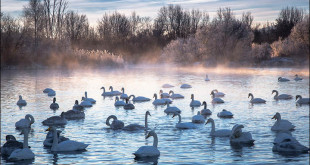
{"x":176,"y":146}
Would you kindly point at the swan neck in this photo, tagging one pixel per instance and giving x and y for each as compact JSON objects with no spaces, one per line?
{"x":155,"y":142}
{"x":205,"y":106}
{"x":145,"y":121}
{"x":179,"y":118}
{"x":30,"y":118}
{"x":26,"y":132}
{"x":55,"y":139}
{"x":251,"y":96}
{"x":85,"y":94}
{"x":276,"y":94}
{"x":213,"y":126}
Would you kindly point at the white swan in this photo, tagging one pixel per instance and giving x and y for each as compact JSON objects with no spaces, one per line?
{"x":21,"y":102}
{"x":194,"y":103}
{"x":225,"y":114}
{"x":54,"y":105}
{"x":282,"y":96}
{"x":46,"y":90}
{"x":55,"y":120}
{"x":128,"y":106}
{"x":163,"y":95}
{"x":25,"y":123}
{"x":205,"y":111}
{"x":282,"y":79}
{"x":68,"y":145}
{"x":139,"y":98}
{"x":51,"y":93}
{"x":158,"y":101}
{"x":48,"y":142}
{"x":167,"y":86}
{"x":135,"y":127}
{"x":301,"y":100}
{"x":220,"y":132}
{"x":74,"y":114}
{"x":255,"y":100}
{"x":239,"y":137}
{"x":284,"y":142}
{"x":281,"y":125}
{"x":198,"y":118}
{"x":207,"y":78}
{"x":217,"y":93}
{"x":106,"y":93}
{"x":185,"y":86}
{"x":216,"y":100}
{"x":118,"y":102}
{"x":116,"y":124}
{"x":77,"y":107}
{"x":24,"y":153}
{"x":93,"y":101}
{"x":297,"y":78}
{"x":85,"y":103}
{"x":175,"y":96}
{"x":123,"y":95}
{"x":148,"y":151}
{"x":10,"y":145}
{"x":115,"y":93}
{"x":187,"y":125}
{"x":172,"y":110}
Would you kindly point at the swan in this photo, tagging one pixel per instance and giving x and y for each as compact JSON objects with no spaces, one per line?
{"x":93,"y":101}
{"x":148,"y":151}
{"x":282,"y":79}
{"x":123,"y":95}
{"x":194,"y":103}
{"x":301,"y":100}
{"x":46,"y":90}
{"x":135,"y":127}
{"x":85,"y":103}
{"x":167,"y":86}
{"x":282,"y":96}
{"x":115,"y":93}
{"x":51,"y":93}
{"x":239,"y":137}
{"x":24,"y":153}
{"x":25,"y":123}
{"x":74,"y":114}
{"x":77,"y":106}
{"x":118,"y":102}
{"x":198,"y":118}
{"x":297,"y":78}
{"x":21,"y":102}
{"x":167,"y":100}
{"x":128,"y":106}
{"x":48,"y":142}
{"x":216,"y":100}
{"x":158,"y":101}
{"x":225,"y":114}
{"x":173,"y":110}
{"x":175,"y":96}
{"x":187,"y":125}
{"x":163,"y":95}
{"x":10,"y":145}
{"x":54,"y":105}
{"x":205,"y":111}
{"x":217,"y":93}
{"x":55,"y":120}
{"x":185,"y":86}
{"x":68,"y":145}
{"x":220,"y":132}
{"x":255,"y":100}
{"x":106,"y":93}
{"x":139,"y":98}
{"x":116,"y":124}
{"x":207,"y":78}
{"x":281,"y":125}
{"x":284,"y":142}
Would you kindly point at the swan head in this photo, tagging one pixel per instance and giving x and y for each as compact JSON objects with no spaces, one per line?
{"x":155,"y":95}
{"x":151,"y":133}
{"x":10,"y":138}
{"x":76,"y":102}
{"x":209,"y":120}
{"x":276,"y":116}
{"x":148,"y":113}
{"x":111,"y":88}
{"x":133,"y":96}
{"x":102,"y":88}
{"x":122,"y":89}
{"x":279,"y":78}
{"x":298,"y":96}
{"x":274,"y":91}
{"x":117,"y":99}
{"x":161,"y":91}
{"x":250,"y":94}
{"x":83,"y":98}
{"x":171,"y":92}
{"x":215,"y":90}
{"x":108,"y":119}
{"x":296,"y":75}
{"x":54,"y":99}
{"x":62,"y":114}
{"x":20,"y":97}
{"x":175,"y":114}
{"x":204,"y":103}
{"x":192,"y":96}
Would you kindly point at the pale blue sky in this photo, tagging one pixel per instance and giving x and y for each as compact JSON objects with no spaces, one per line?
{"x":262,"y":10}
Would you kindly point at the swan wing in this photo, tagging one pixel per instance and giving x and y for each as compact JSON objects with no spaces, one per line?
{"x":22,"y":154}
{"x":22,"y":123}
{"x":147,"y":151}
{"x":71,"y":145}
{"x":222,"y":133}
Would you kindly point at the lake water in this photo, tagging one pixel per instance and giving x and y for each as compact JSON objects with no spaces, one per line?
{"x":176,"y":146}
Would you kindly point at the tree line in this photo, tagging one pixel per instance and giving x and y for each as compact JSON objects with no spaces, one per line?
{"x":49,"y":34}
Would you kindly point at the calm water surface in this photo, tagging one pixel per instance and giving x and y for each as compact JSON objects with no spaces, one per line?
{"x":176,"y":146}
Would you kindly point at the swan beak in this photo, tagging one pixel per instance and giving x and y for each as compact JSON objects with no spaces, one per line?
{"x":173,"y":115}
{"x":147,"y":136}
{"x":274,"y":117}
{"x":48,"y":129}
{"x":207,"y":122}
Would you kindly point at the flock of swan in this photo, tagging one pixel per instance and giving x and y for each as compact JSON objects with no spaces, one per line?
{"x":284,"y":141}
